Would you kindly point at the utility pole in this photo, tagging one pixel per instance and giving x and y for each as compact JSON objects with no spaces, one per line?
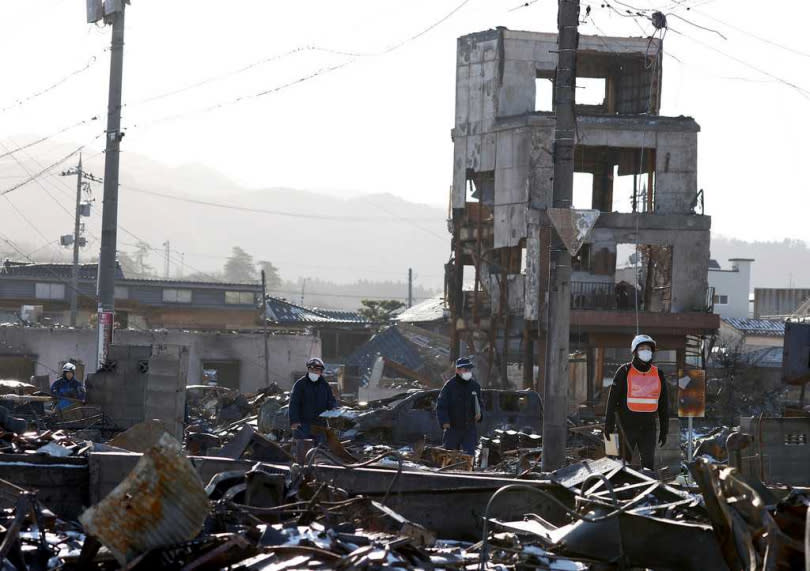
{"x":166,"y":253}
{"x":303,"y":286}
{"x":555,"y":407}
{"x":410,"y":287}
{"x":114,"y":13}
{"x":77,"y":239}
{"x":264,"y":319}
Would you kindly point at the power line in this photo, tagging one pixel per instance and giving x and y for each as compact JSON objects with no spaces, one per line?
{"x":49,"y":167}
{"x":39,"y":182}
{"x":803,"y":92}
{"x":313,"y":75}
{"x":218,"y":77}
{"x":43,"y":139}
{"x":263,"y":210}
{"x":59,"y":82}
{"x":241,"y":98}
{"x":753,"y":35}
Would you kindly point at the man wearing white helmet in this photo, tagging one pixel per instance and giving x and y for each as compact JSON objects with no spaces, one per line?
{"x":67,"y":386}
{"x":311,"y":395}
{"x":637,"y":397}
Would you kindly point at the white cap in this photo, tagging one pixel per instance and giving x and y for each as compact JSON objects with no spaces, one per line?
{"x":639,"y":339}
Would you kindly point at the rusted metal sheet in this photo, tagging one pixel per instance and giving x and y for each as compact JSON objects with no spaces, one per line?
{"x":161,"y":502}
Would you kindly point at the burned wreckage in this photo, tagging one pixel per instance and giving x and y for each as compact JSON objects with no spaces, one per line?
{"x":240,"y":494}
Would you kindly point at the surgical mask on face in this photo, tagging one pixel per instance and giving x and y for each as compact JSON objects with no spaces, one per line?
{"x":313,"y":376}
{"x":645,"y":355}
{"x":466,"y":376}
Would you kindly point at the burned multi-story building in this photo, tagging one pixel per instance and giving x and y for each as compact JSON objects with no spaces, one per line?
{"x":641,"y":174}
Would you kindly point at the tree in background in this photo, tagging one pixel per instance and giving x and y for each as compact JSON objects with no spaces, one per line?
{"x":271,"y":274}
{"x":142,"y":267}
{"x":380,"y":311}
{"x":240,"y":267}
{"x":128,"y":265}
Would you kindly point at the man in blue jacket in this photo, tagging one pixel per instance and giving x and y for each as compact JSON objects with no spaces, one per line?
{"x":68,"y":386}
{"x":311,"y":395}
{"x":459,"y":408}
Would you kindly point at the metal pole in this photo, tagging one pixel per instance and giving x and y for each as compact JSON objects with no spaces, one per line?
{"x":264,"y":318}
{"x":410,"y":287}
{"x":109,"y":220}
{"x":555,"y":406}
{"x":74,"y":278}
{"x":690,"y":442}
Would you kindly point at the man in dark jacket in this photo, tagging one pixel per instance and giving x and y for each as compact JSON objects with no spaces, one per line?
{"x":68,"y":386}
{"x":638,"y":396}
{"x":311,"y":395}
{"x":459,"y":408}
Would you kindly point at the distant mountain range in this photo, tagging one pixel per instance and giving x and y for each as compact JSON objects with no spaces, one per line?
{"x":305,"y":234}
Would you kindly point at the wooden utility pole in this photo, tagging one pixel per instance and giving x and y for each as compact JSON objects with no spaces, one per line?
{"x":555,"y":405}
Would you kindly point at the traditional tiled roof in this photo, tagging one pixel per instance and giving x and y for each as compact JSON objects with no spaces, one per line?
{"x":763,"y":327}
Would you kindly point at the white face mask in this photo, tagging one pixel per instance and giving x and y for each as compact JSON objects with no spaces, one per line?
{"x":466,"y":376}
{"x":313,"y":376}
{"x":645,"y":355}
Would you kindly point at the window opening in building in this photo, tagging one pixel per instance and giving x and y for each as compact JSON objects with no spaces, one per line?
{"x":544,"y":94}
{"x":240,"y":297}
{"x":583,"y":190}
{"x":720,"y":299}
{"x":177,"y":295}
{"x":49,"y":291}
{"x":590,"y":91}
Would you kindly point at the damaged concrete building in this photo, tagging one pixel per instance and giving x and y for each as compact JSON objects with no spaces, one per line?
{"x":642,"y":169}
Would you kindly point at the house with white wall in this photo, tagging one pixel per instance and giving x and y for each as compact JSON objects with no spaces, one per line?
{"x":732,"y":287}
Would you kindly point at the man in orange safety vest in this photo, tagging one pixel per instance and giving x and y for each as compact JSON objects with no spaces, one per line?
{"x":637,"y":397}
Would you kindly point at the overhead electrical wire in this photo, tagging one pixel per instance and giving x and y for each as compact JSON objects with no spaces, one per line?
{"x":802,"y":91}
{"x":54,"y":85}
{"x":317,"y":73}
{"x":46,"y":138}
{"x":753,"y":35}
{"x":284,"y":213}
{"x":49,"y":167}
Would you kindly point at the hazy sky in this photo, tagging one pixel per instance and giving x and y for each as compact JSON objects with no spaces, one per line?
{"x":381,"y":123}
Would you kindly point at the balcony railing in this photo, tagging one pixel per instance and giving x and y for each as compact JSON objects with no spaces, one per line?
{"x":593,"y":295}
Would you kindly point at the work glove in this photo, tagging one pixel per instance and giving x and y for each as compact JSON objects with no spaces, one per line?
{"x":608,"y":431}
{"x":662,"y":439}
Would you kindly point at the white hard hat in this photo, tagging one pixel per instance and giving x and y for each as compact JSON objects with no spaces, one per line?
{"x":68,"y":367}
{"x":639,"y":339}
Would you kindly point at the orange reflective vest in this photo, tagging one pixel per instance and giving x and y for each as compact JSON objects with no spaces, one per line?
{"x":643,"y":389}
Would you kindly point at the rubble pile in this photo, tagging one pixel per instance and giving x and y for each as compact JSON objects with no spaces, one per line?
{"x":292,"y":504}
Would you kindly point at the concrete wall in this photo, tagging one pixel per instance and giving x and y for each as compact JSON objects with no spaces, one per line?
{"x":734,"y":283}
{"x":287,"y":353}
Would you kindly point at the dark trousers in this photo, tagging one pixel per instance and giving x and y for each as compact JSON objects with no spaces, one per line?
{"x":460,"y":439}
{"x":305,"y":432}
{"x":644,"y":439}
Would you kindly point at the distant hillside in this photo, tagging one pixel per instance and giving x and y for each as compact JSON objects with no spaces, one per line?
{"x":778,"y":264}
{"x":305,"y":234}
{"x":318,"y":236}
